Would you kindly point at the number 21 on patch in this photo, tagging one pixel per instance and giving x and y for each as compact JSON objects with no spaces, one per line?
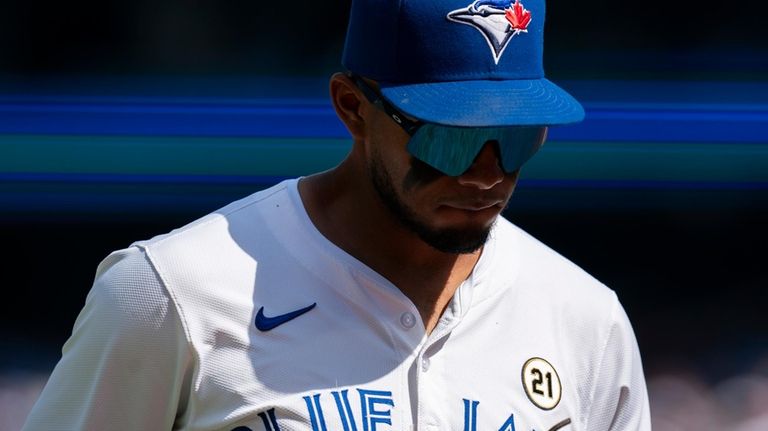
{"x":541,"y":383}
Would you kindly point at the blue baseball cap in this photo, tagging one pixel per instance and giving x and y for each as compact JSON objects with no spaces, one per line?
{"x":472,"y":63}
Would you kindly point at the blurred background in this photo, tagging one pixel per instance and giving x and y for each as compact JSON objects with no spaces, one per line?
{"x":123,"y":120}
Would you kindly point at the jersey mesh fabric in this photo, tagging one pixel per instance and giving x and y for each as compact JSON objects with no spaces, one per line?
{"x":105,"y":363}
{"x":626,"y":401}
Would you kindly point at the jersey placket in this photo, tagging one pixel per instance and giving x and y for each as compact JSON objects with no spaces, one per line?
{"x":426,"y":415}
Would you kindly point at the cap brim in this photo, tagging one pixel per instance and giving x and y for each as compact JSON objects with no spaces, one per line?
{"x":486,"y":102}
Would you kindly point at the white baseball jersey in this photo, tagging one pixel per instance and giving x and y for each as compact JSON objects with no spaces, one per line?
{"x":250,"y":319}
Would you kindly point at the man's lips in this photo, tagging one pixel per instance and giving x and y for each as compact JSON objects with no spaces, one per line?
{"x":474,"y":205}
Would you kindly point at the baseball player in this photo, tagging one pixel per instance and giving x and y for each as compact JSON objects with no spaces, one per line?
{"x":384,"y":294}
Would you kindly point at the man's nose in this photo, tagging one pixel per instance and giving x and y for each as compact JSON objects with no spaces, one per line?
{"x":486,"y":170}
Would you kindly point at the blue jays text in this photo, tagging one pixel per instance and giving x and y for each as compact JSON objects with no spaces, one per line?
{"x":375,"y":412}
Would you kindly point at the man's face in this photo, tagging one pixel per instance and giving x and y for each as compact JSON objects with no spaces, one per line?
{"x":451,"y":214}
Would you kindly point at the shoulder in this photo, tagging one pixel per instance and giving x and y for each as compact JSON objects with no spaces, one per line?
{"x":230,"y":218}
{"x":557,"y":296}
{"x":581,"y":324}
{"x":549,"y":273}
{"x":128,"y":296}
{"x":231,"y":234}
{"x":208,"y":268}
{"x":128,"y":335}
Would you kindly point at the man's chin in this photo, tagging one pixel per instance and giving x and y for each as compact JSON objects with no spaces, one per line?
{"x":455,"y":241}
{"x":467,"y":219}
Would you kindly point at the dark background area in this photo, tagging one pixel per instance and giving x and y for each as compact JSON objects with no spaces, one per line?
{"x":590,"y":39}
{"x":693,"y":280}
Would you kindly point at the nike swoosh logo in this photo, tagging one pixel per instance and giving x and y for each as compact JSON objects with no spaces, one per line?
{"x":264,"y":323}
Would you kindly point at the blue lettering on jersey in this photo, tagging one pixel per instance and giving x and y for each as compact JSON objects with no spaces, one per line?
{"x":345,"y":410}
{"x":270,"y":422}
{"x":470,"y":415}
{"x":369,"y":400}
{"x":373,"y":409}
{"x":316,"y":418}
{"x":509,"y":425}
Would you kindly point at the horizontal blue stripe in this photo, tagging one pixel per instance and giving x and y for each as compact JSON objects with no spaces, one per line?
{"x":259,"y":180}
{"x":617,"y":111}
{"x":645,"y":128}
{"x":298,"y":122}
{"x":674,"y":106}
{"x":152,"y":120}
{"x":669,"y":91}
{"x":642,"y":184}
{"x":64,"y":178}
{"x":7,"y":99}
{"x":154,"y":108}
{"x":668,"y":115}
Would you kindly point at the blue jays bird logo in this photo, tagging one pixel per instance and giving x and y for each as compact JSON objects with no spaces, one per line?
{"x":498,"y":20}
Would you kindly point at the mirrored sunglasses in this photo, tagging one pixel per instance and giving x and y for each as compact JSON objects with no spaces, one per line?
{"x":452,"y":149}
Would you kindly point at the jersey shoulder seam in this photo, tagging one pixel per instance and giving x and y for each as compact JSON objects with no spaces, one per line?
{"x":174,"y":300}
{"x":217,"y":215}
{"x":611,"y":320}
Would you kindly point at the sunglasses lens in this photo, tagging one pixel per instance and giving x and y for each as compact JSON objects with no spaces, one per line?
{"x":452,"y":150}
{"x":519,"y":144}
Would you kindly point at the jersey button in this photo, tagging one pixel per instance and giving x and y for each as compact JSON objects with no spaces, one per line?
{"x":425,"y":365}
{"x":408,"y":320}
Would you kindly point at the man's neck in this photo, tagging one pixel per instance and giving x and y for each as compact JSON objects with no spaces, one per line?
{"x":355,"y":220}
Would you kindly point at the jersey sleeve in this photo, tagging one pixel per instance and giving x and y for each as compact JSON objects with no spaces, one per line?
{"x":620,"y":396}
{"x":127,"y":364}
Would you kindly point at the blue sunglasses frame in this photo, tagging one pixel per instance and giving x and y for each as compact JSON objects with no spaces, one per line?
{"x":517,"y":144}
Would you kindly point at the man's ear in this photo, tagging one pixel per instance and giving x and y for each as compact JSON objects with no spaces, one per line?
{"x":347,"y":100}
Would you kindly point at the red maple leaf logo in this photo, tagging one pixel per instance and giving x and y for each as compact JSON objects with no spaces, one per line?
{"x":519,"y":17}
